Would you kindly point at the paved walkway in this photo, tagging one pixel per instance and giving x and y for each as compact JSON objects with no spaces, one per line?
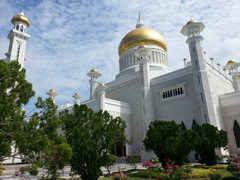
{"x":10,"y":170}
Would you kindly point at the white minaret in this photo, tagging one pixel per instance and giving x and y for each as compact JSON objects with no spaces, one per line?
{"x":233,"y":67}
{"x":77,"y":98}
{"x":193,"y":31}
{"x":52,"y":93}
{"x":18,"y":39}
{"x":94,"y":74}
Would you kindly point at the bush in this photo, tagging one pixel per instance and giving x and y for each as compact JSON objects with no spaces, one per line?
{"x":234,"y":166}
{"x":169,"y":140}
{"x":133,"y":159}
{"x":215,"y":176}
{"x":208,"y":138}
{"x":149,"y":173}
{"x":109,"y":161}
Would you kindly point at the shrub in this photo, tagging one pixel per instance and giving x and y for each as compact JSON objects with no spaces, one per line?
{"x":147,"y":164}
{"x":208,"y":138}
{"x":168,"y":140}
{"x":133,"y":159}
{"x":176,"y":172}
{"x":119,"y":176}
{"x":234,"y":166}
{"x":214,"y":176}
{"x":148,"y":173}
{"x":109,"y":161}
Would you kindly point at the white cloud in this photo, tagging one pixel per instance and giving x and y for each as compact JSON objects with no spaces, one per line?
{"x":69,"y":37}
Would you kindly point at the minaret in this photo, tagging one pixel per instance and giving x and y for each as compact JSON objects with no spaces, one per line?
{"x":18,"y":39}
{"x":200,"y":77}
{"x":76,"y":98}
{"x":52,"y":93}
{"x":147,"y":113}
{"x":233,"y":67}
{"x":94,"y":74}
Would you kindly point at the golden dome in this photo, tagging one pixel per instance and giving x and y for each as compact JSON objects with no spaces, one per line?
{"x":94,"y":70}
{"x":22,"y":18}
{"x":141,"y":36}
{"x":231,"y":61}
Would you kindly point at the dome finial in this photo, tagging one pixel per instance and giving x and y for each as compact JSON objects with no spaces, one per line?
{"x":21,"y":12}
{"x":140,"y":22}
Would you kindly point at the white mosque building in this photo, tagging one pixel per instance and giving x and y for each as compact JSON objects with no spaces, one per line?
{"x":146,"y":89}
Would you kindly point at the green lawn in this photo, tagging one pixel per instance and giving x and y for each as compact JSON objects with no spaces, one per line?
{"x":201,"y":171}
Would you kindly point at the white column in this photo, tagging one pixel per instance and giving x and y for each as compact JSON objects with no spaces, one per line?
{"x":101,"y":95}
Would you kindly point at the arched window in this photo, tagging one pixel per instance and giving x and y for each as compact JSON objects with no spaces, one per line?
{"x":17,"y":27}
{"x":21,"y":28}
{"x":194,"y":123}
{"x":236,"y":130}
{"x":183,"y":125}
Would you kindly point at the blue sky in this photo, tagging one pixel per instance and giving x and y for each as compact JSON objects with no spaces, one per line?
{"x":69,"y":37}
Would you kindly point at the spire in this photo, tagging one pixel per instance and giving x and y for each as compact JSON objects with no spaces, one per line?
{"x":21,"y":12}
{"x":140,"y":22}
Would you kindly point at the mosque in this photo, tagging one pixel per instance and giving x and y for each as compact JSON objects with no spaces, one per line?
{"x":146,"y":89}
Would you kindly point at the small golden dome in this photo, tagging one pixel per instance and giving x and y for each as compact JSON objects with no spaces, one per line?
{"x":191,"y":21}
{"x":94,"y":70}
{"x":231,"y":61}
{"x":141,"y":36}
{"x":77,"y":96}
{"x":22,"y":18}
{"x":53,"y":91}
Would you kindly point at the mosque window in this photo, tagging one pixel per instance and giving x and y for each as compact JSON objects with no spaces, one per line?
{"x":173,"y":93}
{"x":236,"y":130}
{"x":202,"y":98}
{"x":21,"y":28}
{"x":199,"y":79}
{"x":194,"y":123}
{"x":183,"y":125}
{"x":153,"y":57}
{"x":119,"y":150}
{"x":18,"y":51}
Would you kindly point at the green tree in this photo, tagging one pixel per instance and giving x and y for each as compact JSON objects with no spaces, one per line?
{"x":15,"y":92}
{"x":91,"y":135}
{"x":41,"y":141}
{"x":169,"y":140}
{"x":207,"y":140}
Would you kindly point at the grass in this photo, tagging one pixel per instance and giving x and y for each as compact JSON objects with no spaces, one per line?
{"x":201,"y":171}
{"x":218,"y":169}
{"x":130,"y":178}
